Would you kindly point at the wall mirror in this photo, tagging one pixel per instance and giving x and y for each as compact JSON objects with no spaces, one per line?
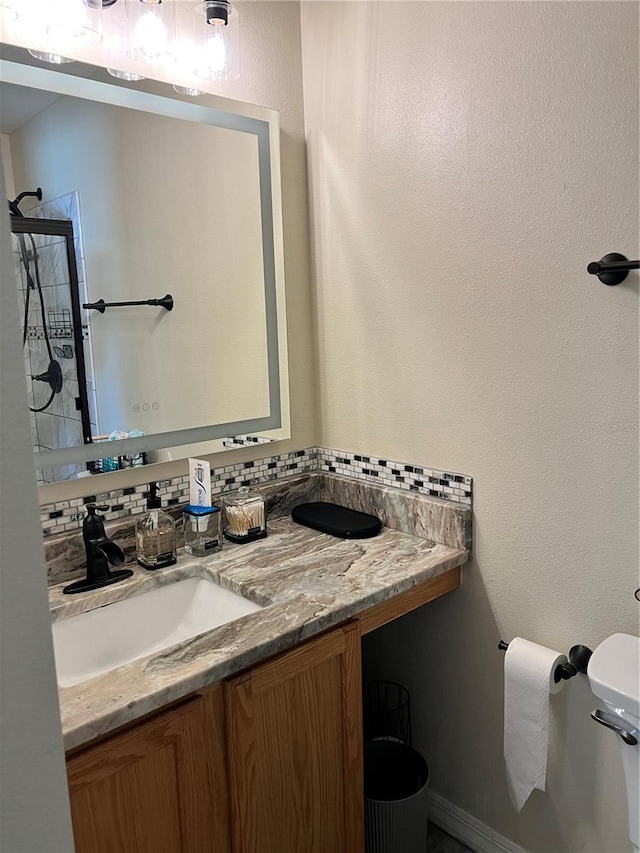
{"x":136,"y":197}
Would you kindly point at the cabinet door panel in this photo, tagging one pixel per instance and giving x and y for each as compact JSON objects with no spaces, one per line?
{"x":294,"y":750}
{"x":146,"y":790}
{"x":131,"y":809}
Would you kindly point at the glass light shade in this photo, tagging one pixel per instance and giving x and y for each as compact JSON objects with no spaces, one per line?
{"x":188,"y":90}
{"x":217,"y":42}
{"x":184,"y":67}
{"x":53,"y":58}
{"x":7,"y":14}
{"x":53,"y":30}
{"x":75,"y":23}
{"x":129,"y":76}
{"x":118,"y":64}
{"x":151,"y":25}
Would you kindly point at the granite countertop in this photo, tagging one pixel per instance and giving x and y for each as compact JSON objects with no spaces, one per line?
{"x":306,"y":581}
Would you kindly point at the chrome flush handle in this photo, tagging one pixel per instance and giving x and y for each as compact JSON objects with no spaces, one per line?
{"x":613,"y":721}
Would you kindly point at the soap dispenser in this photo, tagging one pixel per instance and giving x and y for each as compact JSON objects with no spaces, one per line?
{"x":155,"y":535}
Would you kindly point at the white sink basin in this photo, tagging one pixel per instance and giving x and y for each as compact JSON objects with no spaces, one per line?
{"x":100,"y":640}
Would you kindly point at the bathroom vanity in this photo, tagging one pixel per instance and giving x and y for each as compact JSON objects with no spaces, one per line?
{"x":247,"y":737}
{"x":269,"y":760}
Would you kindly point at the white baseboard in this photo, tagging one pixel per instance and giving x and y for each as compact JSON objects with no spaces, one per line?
{"x":468,"y":829}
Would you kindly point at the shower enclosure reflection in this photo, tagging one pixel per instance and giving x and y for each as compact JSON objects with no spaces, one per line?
{"x":57,"y":347}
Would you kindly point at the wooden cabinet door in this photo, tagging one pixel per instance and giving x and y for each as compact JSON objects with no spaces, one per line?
{"x":294,"y":740}
{"x":150,"y":788}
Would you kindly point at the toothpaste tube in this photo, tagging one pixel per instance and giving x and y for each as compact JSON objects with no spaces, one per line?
{"x":199,"y":482}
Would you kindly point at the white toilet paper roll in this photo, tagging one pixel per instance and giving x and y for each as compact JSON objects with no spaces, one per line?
{"x":528,"y":681}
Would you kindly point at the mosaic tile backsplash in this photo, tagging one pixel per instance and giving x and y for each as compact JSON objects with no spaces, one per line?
{"x":384,"y":472}
{"x":66,"y":516}
{"x":245,"y":441}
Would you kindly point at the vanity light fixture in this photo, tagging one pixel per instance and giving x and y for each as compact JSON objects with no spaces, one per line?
{"x":191,"y":42}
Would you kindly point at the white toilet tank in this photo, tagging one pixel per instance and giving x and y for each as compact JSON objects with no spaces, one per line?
{"x":614,"y":675}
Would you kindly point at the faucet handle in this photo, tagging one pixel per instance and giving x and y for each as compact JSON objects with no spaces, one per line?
{"x":93,"y":524}
{"x":92,"y":508}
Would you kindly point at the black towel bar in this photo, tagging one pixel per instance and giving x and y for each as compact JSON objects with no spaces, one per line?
{"x":612,"y":268}
{"x":101,"y":305}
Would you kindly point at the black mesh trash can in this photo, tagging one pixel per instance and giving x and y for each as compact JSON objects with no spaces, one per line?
{"x":395,"y":798}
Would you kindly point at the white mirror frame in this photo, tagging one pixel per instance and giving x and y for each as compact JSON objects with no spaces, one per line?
{"x":246,"y":118}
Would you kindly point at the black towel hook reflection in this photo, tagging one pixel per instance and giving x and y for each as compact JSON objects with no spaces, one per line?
{"x":101,"y":305}
{"x":612,"y":268}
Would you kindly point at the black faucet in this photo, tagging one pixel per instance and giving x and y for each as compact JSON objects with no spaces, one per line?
{"x":100,"y":552}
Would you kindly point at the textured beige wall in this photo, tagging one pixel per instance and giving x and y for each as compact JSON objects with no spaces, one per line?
{"x":467,"y":160}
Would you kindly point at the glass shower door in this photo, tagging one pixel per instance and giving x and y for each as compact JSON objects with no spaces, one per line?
{"x":52,"y":333}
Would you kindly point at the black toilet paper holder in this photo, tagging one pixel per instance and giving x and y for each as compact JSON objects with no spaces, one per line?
{"x":578,"y":661}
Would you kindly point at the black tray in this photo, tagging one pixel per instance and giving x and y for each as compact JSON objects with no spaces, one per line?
{"x":337,"y":520}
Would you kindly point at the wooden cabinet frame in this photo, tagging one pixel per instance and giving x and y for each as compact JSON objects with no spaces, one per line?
{"x":304,"y":782}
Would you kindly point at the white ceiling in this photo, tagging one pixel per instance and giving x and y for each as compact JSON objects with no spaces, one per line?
{"x":18,"y":104}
